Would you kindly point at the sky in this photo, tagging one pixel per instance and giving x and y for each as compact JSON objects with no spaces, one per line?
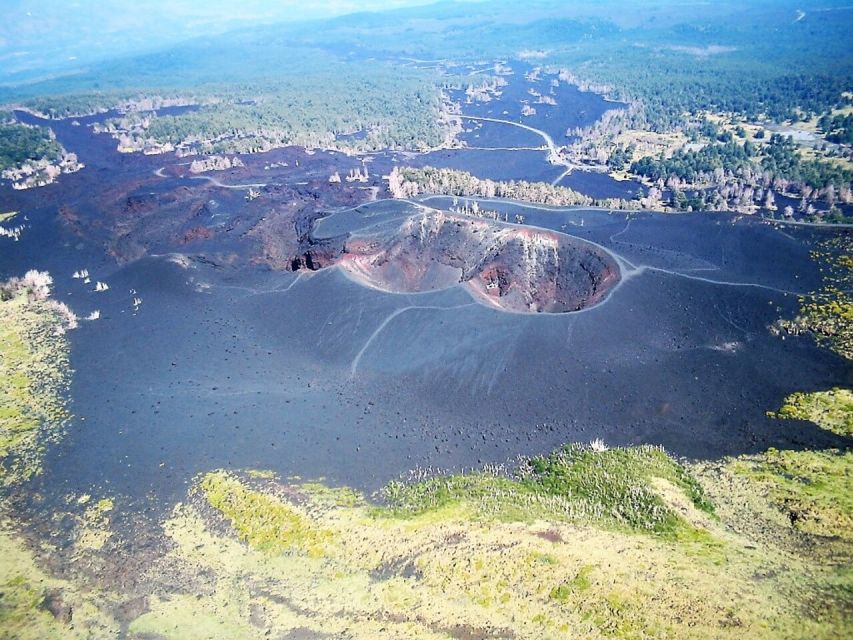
{"x":37,"y":36}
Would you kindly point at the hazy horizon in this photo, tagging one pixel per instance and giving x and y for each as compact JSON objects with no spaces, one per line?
{"x":44,"y":36}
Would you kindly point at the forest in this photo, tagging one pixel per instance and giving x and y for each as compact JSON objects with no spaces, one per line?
{"x":21,"y":143}
{"x":778,"y":161}
{"x":837,"y":128}
{"x":408,"y":182}
{"x":754,"y":59}
{"x":397,"y":112}
{"x":761,"y":62}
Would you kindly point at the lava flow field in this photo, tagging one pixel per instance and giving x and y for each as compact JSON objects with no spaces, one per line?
{"x":268,"y":319}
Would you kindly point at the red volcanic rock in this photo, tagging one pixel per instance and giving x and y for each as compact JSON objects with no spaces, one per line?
{"x":512,"y":267}
{"x":196,"y":233}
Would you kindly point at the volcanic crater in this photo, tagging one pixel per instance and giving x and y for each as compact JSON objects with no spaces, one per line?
{"x":512,"y":267}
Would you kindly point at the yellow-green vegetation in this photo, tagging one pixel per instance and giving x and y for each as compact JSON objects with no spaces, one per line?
{"x":801,"y":501}
{"x":36,"y":606}
{"x":261,"y":520}
{"x":260,"y":473}
{"x":487,"y":556}
{"x":815,"y":153}
{"x":553,"y":552}
{"x":33,"y":377}
{"x":831,"y":410}
{"x":648,"y":143}
{"x":828,"y":314}
{"x":814,"y":489}
{"x":609,"y":487}
{"x":94,"y":528}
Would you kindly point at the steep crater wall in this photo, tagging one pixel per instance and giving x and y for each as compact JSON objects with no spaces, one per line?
{"x":512,"y":267}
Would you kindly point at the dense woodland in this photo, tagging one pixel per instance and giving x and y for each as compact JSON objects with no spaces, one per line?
{"x":779,"y":160}
{"x":753,"y":58}
{"x":766,"y":62}
{"x":22,"y":143}
{"x":837,"y":128}
{"x":408,"y":182}
{"x":761,"y":59}
{"x":671,"y":85}
{"x":396,"y":112}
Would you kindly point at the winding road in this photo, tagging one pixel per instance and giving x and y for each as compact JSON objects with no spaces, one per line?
{"x":629,"y":269}
{"x":161,"y":173}
{"x":554,"y":156}
{"x":387,"y":321}
{"x":217,"y":183}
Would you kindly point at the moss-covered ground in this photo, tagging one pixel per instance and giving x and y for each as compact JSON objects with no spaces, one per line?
{"x":249,"y":555}
{"x":814,"y":489}
{"x":831,"y":410}
{"x":584,"y":543}
{"x":33,"y":378}
{"x":37,"y":606}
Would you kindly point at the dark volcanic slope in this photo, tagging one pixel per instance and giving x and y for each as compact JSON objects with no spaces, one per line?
{"x":231,"y":362}
{"x":316,"y":375}
{"x":511,"y":267}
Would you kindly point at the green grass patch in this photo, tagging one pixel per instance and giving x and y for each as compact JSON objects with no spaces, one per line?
{"x":331,"y":496}
{"x":813,"y":488}
{"x":616,"y":484}
{"x":265,"y":474}
{"x":613,"y":487}
{"x":262,"y":520}
{"x":561,"y":593}
{"x":581,"y":582}
{"x":483,"y":494}
{"x":831,"y":410}
{"x":33,"y":379}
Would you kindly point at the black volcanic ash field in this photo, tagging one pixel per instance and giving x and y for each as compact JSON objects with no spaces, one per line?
{"x":232,"y":360}
{"x":313,"y":374}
